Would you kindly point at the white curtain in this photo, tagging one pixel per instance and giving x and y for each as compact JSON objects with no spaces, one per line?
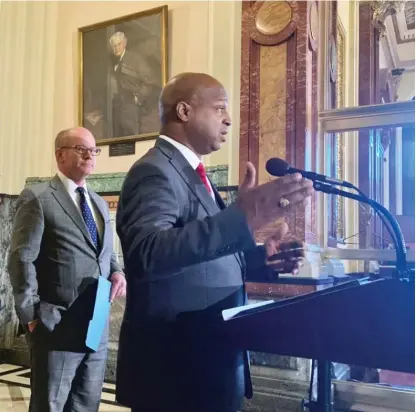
{"x":27,"y":82}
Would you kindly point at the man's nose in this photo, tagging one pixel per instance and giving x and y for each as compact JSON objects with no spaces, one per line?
{"x":227,"y":120}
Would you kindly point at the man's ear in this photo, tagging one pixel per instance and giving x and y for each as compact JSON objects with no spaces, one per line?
{"x":58,"y":156}
{"x":182,"y":111}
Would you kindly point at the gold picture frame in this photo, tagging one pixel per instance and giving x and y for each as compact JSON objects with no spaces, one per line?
{"x":123,"y":68}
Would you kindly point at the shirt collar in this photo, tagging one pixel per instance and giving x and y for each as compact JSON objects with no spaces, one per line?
{"x":187,"y":153}
{"x":70,"y":185}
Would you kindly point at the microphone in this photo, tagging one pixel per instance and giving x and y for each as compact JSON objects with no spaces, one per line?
{"x":279,"y":167}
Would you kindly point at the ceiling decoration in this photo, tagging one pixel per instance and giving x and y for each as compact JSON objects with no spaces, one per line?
{"x":409,"y":14}
{"x":398,"y":42}
{"x":404,"y":23}
{"x":381,"y":10}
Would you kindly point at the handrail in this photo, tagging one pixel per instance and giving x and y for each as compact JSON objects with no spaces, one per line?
{"x":368,"y":117}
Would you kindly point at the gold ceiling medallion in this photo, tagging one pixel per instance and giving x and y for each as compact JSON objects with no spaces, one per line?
{"x":382,"y":9}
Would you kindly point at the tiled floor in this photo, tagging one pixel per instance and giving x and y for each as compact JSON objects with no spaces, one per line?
{"x":15,"y":391}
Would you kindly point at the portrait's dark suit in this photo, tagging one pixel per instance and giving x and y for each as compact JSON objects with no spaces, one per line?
{"x":54,"y":266}
{"x":183,"y":262}
{"x":137,"y":87}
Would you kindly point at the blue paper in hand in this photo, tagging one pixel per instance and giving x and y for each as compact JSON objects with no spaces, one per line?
{"x":100,"y":315}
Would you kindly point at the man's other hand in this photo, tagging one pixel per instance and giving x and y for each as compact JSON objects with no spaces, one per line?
{"x":284,"y":255}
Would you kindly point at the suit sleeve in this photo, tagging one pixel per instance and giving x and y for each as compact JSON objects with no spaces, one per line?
{"x":156,"y":240}
{"x":25,"y":246}
{"x":256,"y":269}
{"x":115,"y":265}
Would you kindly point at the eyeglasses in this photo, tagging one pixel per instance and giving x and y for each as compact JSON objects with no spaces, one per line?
{"x":94,"y":151}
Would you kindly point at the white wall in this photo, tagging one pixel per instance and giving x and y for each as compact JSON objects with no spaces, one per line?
{"x":406,"y":89}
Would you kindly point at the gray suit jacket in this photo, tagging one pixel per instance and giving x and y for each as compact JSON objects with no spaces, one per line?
{"x":53,"y":262}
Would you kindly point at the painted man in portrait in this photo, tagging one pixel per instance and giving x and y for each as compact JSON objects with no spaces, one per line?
{"x":135,"y":89}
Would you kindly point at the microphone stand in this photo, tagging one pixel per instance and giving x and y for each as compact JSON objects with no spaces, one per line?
{"x":323,"y":402}
{"x":401,"y":263}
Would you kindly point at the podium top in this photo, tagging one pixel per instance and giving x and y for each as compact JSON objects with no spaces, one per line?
{"x":362,"y":322}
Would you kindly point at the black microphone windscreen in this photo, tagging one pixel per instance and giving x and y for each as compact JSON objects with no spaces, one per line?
{"x":277,"y":167}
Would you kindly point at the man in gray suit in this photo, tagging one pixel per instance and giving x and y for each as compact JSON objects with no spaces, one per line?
{"x":62,"y":242}
{"x":187,"y":256}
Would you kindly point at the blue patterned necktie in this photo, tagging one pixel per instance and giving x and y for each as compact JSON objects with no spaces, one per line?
{"x":87,"y":215}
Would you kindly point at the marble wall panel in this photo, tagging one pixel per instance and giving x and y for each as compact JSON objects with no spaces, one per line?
{"x":8,"y":319}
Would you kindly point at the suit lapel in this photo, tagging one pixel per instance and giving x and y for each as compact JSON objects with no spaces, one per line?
{"x":64,"y":199}
{"x":195,"y":184}
{"x":218,"y":198}
{"x":189,"y":175}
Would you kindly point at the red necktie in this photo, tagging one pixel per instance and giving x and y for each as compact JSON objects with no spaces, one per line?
{"x":203,"y":175}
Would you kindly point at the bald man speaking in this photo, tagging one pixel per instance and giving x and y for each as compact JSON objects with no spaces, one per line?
{"x":187,"y":256}
{"x":62,"y":242}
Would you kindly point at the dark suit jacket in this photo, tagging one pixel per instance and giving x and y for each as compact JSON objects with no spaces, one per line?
{"x":135,"y":76}
{"x":53,"y":263}
{"x":183,"y":262}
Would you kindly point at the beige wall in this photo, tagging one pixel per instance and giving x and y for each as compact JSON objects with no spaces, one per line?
{"x":27,"y":72}
{"x":39,"y":78}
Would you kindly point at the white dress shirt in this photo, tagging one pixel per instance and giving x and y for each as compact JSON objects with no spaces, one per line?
{"x":71,"y":187}
{"x":119,"y":61}
{"x":189,"y":155}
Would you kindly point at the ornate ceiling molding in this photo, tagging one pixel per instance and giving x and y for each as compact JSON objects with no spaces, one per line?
{"x":404,"y":23}
{"x":409,"y":14}
{"x":399,"y":54}
{"x":382,"y":9}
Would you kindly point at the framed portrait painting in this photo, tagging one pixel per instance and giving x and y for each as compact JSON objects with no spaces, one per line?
{"x":123,"y":68}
